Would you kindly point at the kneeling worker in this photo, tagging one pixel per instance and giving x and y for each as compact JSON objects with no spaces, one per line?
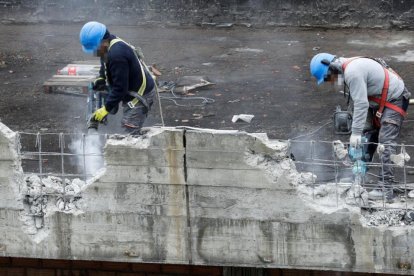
{"x":373,"y":87}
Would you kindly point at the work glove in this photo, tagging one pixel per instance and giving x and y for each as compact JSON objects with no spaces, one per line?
{"x":355,"y":140}
{"x":339,"y":149}
{"x":380,"y":149}
{"x":99,"y":84}
{"x":100,"y":114}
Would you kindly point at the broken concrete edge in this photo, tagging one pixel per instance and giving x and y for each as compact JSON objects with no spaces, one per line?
{"x":264,"y":155}
{"x":9,"y":140}
{"x":30,"y":199}
{"x":272,"y":158}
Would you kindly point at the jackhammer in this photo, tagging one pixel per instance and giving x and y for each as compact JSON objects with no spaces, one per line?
{"x":357,"y":157}
{"x":96,"y":99}
{"x":342,"y":126}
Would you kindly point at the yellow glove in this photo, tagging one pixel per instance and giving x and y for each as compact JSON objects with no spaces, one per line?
{"x":100,"y":114}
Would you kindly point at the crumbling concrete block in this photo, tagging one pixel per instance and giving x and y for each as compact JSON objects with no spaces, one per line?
{"x":10,"y":170}
{"x":204,"y":197}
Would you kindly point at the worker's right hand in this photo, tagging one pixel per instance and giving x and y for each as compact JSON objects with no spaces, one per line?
{"x":355,"y":140}
{"x":99,"y":84}
{"x":100,"y":114}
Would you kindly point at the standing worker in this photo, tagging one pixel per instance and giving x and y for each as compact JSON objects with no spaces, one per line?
{"x":374,"y":88}
{"x":125,"y":74}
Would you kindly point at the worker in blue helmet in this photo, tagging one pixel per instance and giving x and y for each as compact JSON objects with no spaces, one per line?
{"x":124,"y":72}
{"x":377,"y":92}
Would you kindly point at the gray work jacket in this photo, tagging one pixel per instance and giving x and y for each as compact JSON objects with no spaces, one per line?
{"x":365,"y":77}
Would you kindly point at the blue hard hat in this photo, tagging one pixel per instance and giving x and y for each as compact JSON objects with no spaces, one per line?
{"x":91,"y":35}
{"x":318,"y":69}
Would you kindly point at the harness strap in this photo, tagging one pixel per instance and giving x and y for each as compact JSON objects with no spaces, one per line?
{"x":348,"y":61}
{"x":382,"y":102}
{"x":141,"y":90}
{"x":389,"y":105}
{"x":384,"y":94}
{"x":140,"y":98}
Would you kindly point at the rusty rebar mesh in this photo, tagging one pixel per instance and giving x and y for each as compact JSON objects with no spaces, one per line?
{"x":69,"y":156}
{"x":319,"y":158}
{"x":65,"y":155}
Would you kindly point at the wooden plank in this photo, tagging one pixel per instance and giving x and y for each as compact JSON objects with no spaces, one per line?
{"x":84,"y":65}
{"x":71,"y":77}
{"x":58,"y":82}
{"x":59,"y":90}
{"x":65,"y":80}
{"x":88,"y":62}
{"x":68,"y":80}
{"x":79,"y":83}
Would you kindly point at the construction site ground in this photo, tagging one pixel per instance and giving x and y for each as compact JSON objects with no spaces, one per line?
{"x":262,"y":72}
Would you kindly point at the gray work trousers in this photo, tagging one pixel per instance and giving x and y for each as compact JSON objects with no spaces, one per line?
{"x":388,"y":133}
{"x":133,"y":118}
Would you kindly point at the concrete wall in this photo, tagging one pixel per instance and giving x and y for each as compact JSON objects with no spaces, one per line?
{"x":326,"y":13}
{"x":200,"y":197}
{"x":11,"y":177}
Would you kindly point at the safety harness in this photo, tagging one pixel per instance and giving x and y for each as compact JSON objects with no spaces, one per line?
{"x":382,"y":102}
{"x":138,"y":96}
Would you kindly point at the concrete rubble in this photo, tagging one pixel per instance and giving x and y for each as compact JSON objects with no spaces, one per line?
{"x":42,"y":197}
{"x":66,"y":193}
{"x":332,"y":197}
{"x":242,"y":117}
{"x":387,"y":218}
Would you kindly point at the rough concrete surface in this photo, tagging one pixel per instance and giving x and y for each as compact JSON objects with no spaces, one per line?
{"x":173,"y":196}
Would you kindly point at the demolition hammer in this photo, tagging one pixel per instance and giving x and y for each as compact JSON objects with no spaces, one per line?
{"x":96,"y":100}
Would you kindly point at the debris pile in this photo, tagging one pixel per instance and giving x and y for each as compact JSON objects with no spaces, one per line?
{"x":356,"y":195}
{"x":388,"y":218}
{"x":185,"y":84}
{"x":50,"y":194}
{"x":277,"y":165}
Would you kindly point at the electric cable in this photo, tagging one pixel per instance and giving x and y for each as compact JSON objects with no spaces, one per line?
{"x":159,"y":103}
{"x":175,"y":98}
{"x":312,"y":132}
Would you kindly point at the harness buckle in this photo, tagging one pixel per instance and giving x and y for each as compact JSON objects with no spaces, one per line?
{"x":378,"y":114}
{"x":131,"y":104}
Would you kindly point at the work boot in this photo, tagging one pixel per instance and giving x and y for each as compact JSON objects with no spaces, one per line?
{"x":383,"y":193}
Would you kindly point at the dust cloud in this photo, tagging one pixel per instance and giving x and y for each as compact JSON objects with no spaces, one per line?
{"x":88,"y":151}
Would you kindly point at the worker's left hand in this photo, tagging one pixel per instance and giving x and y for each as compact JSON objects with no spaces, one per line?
{"x":99,"y":84}
{"x":355,"y":140}
{"x":100,"y":114}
